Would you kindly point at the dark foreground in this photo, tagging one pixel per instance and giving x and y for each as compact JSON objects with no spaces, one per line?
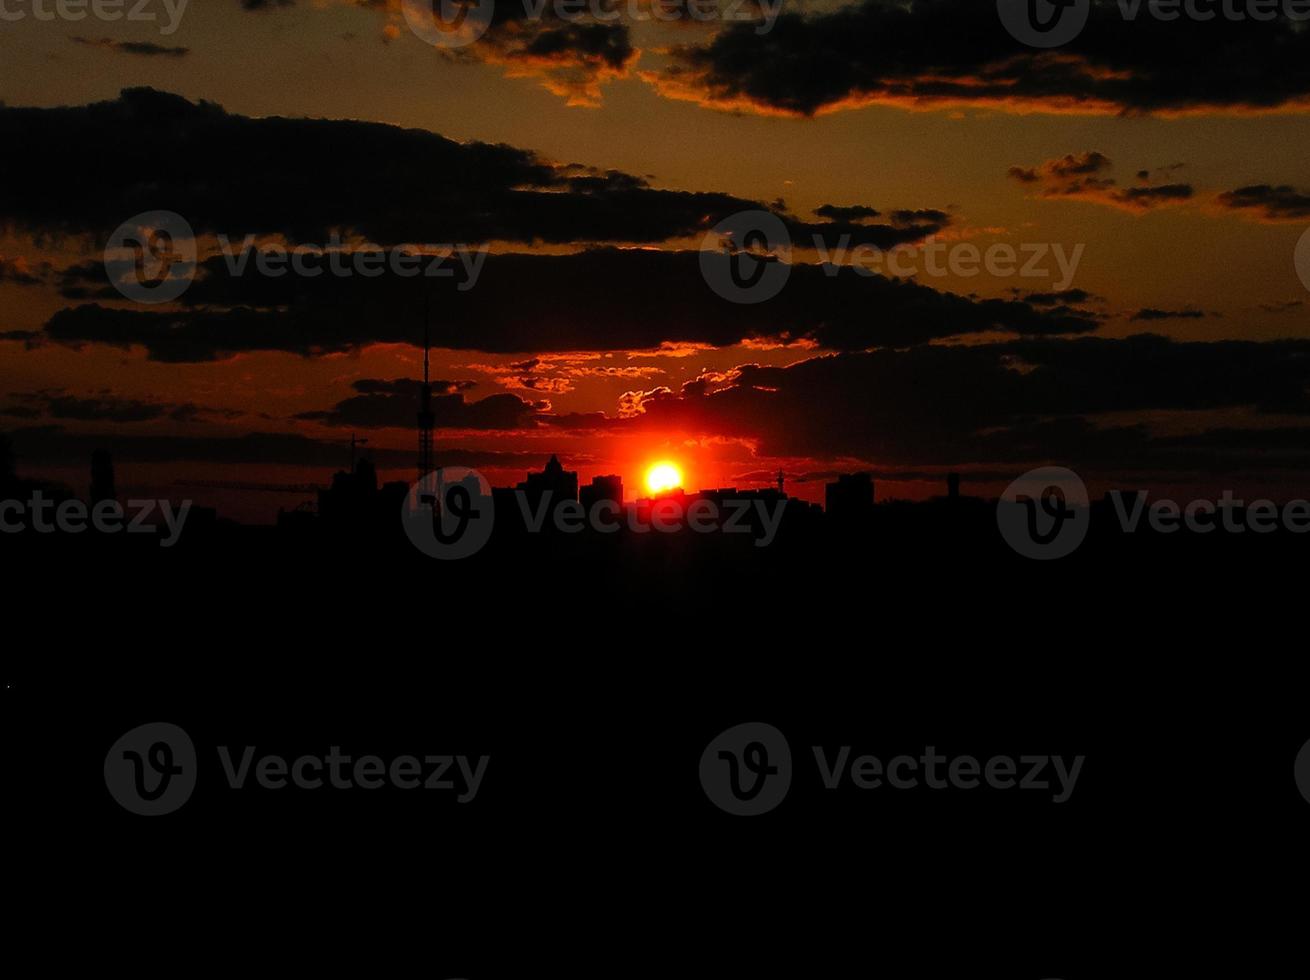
{"x":593,"y":673}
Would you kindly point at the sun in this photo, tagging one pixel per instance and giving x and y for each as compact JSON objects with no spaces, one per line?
{"x":663,"y":476}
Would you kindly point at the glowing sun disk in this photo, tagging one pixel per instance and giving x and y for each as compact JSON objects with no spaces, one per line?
{"x":663,"y":476}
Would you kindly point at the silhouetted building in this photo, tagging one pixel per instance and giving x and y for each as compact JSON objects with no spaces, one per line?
{"x":562,"y":484}
{"x":523,"y":505}
{"x":352,"y":496}
{"x":102,"y":477}
{"x":602,"y":488}
{"x":850,"y":499}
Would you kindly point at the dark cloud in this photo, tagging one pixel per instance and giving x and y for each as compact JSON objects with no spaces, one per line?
{"x":988,"y":406}
{"x":394,"y":404}
{"x":52,"y":444}
{"x":606,"y":299}
{"x":406,"y":386}
{"x":143,"y":48}
{"x":854,"y":212}
{"x":1073,"y":297}
{"x":1150,"y":313}
{"x":19,"y":272}
{"x":922,"y":52}
{"x":1268,"y":203}
{"x":306,"y":178}
{"x":1085,"y":177}
{"x":103,"y":406}
{"x":1022,"y":401}
{"x":1286,"y":306}
{"x":571,"y":55}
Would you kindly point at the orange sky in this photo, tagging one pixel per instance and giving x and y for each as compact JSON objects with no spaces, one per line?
{"x":338,"y":61}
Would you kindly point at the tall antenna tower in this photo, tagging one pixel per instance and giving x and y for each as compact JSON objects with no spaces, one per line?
{"x":425,"y":418}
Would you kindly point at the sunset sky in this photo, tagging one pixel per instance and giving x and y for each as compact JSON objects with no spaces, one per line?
{"x":590,"y":157}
